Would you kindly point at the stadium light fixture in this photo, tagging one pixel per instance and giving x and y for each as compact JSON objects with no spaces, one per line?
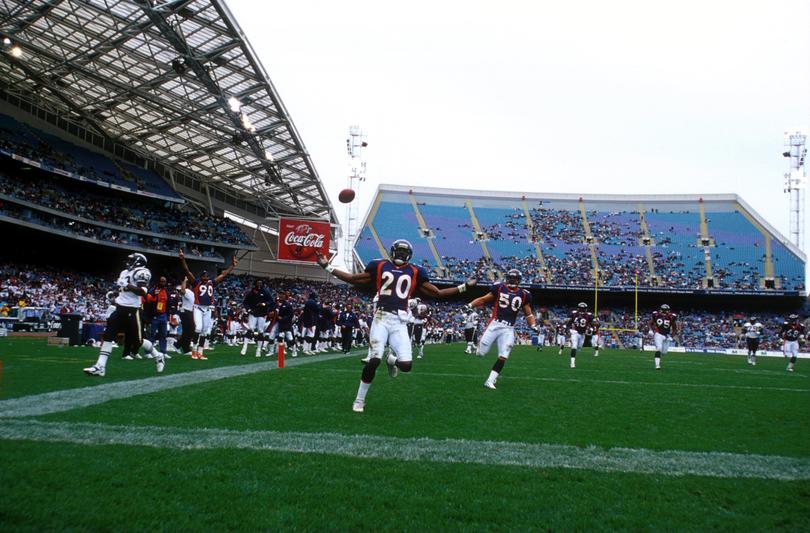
{"x":6,"y":41}
{"x":16,"y":52}
{"x":269,"y":156}
{"x":234,"y":104}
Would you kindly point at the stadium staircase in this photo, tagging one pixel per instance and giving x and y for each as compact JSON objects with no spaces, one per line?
{"x":535,"y":241}
{"x":647,"y":242}
{"x":590,"y":241}
{"x":481,"y":237}
{"x":426,"y":233}
{"x":706,"y":242}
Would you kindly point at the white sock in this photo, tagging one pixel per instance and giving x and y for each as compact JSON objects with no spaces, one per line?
{"x":493,"y":376}
{"x":245,"y":343}
{"x":106,"y":348}
{"x":147,"y":346}
{"x":362,"y":391}
{"x":259,"y":347}
{"x":391,"y":360}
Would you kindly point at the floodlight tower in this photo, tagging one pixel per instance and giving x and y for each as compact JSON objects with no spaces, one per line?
{"x":355,"y":146}
{"x":796,"y":182}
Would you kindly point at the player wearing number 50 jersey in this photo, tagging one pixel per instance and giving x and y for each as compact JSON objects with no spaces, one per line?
{"x":203,"y":303}
{"x":508,"y":300}
{"x":395,"y":282}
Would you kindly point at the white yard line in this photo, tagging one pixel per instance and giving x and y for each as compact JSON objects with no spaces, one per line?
{"x":604,"y":381}
{"x":626,"y":460}
{"x":66,"y":400}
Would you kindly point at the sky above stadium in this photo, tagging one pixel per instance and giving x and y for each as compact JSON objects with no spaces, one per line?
{"x":577,"y":97}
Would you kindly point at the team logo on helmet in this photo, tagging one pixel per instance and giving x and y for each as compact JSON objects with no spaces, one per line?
{"x":513,"y":277}
{"x":135,"y":260}
{"x":664,"y":307}
{"x":401,"y":252}
{"x":794,"y":316}
{"x":582,"y":305}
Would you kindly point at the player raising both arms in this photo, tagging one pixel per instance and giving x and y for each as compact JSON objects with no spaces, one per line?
{"x":507,"y":300}
{"x":395,"y":281}
{"x":664,"y":327}
{"x":792,"y":332}
{"x":132,"y":286}
{"x":203,"y":303}
{"x":578,"y":324}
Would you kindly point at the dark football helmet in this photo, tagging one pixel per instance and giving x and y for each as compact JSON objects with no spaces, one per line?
{"x":664,"y":307}
{"x":794,"y":317}
{"x":582,"y":305}
{"x":513,"y":277}
{"x":401,"y":252}
{"x":136,"y":260}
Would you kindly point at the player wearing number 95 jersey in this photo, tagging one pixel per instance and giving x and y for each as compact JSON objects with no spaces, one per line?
{"x":508,"y":300}
{"x":395,"y":282}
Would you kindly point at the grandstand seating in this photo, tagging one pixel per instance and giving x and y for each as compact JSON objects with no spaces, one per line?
{"x":56,"y":153}
{"x":734,"y":253}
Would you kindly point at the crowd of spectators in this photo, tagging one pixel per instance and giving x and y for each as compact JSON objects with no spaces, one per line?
{"x":33,"y":144}
{"x":145,"y":215}
{"x":101,"y":234}
{"x":617,"y":240}
{"x":62,"y":291}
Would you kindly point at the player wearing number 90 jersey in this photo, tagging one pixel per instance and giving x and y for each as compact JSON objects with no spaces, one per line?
{"x":508,"y":300}
{"x":395,"y":280}
{"x":203,"y":303}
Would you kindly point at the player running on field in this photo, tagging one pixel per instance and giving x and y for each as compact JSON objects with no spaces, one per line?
{"x":791,"y":333}
{"x":470,"y":319}
{"x":663,"y":325}
{"x":507,"y":300}
{"x":395,"y":282}
{"x":753,"y":333}
{"x":203,"y":303}
{"x":579,"y":321}
{"x":132,"y":286}
{"x":593,"y":331}
{"x":561,"y":331}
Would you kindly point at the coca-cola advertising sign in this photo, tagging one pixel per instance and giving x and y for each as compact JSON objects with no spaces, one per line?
{"x":298,"y":239}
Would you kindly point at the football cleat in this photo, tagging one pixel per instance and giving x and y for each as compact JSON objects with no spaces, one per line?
{"x":358,"y":406}
{"x":128,"y":358}
{"x":393,"y":371}
{"x":160,"y":362}
{"x":95,"y":370}
{"x":201,"y":357}
{"x":401,"y":252}
{"x":490,"y":385}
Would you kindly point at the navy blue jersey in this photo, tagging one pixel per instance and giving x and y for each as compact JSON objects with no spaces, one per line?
{"x":285,"y":316}
{"x":256,"y":301}
{"x":580,"y":321}
{"x":327,"y":319}
{"x":395,"y":285}
{"x":791,"y":331}
{"x":508,"y":302}
{"x":271,"y":309}
{"x":309,"y":318}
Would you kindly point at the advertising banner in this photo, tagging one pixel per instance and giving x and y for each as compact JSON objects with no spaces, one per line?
{"x":299,"y":239}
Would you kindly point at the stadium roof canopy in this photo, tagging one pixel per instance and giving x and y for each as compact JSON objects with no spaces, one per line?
{"x":175,"y":81}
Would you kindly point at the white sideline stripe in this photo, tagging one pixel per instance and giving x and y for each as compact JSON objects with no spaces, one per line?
{"x":625,"y":460}
{"x":66,"y":400}
{"x":605,"y":381}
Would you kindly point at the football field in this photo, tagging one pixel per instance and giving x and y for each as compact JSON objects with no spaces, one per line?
{"x":234,"y":443}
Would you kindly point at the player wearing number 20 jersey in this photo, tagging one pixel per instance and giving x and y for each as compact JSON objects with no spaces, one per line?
{"x":395,"y":281}
{"x":507,"y":300}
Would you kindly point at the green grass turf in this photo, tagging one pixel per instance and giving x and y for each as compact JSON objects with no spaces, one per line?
{"x":696,"y":403}
{"x":29,"y":366}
